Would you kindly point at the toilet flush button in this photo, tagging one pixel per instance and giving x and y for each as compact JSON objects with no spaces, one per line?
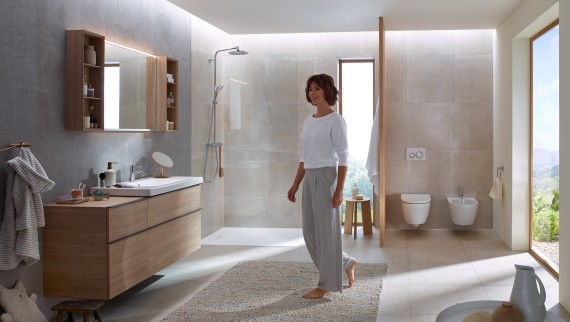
{"x":415,"y":154}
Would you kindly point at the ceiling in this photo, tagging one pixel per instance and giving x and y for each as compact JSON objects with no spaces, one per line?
{"x":299,"y":16}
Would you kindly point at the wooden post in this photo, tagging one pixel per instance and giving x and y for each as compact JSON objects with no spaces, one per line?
{"x":382,"y":142}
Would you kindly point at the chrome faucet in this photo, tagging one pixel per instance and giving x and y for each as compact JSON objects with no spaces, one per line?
{"x":134,"y":172}
{"x":460,"y":192}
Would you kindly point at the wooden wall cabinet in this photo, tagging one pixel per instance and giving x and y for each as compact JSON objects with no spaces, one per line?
{"x":77,"y":104}
{"x":99,"y":249}
{"x":167,"y":111}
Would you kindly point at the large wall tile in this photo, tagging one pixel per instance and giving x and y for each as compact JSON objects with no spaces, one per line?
{"x":473,"y":42}
{"x":395,"y":43}
{"x":283,"y":128}
{"x":473,"y":125}
{"x":396,"y":129}
{"x":282,"y":168}
{"x":473,"y":78}
{"x":246,"y":211}
{"x":246,"y":182}
{"x":430,"y":79}
{"x":430,"y":43}
{"x":472,"y":169}
{"x":253,"y":133}
{"x":430,"y":125}
{"x":253,"y":72}
{"x":433,"y":175}
{"x":396,"y":72}
{"x":396,"y":171}
{"x":283,"y":213}
{"x":282,"y":80}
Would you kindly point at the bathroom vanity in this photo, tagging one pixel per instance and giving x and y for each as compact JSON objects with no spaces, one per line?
{"x":99,"y":249}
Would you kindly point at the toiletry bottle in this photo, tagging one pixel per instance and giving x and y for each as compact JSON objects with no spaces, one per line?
{"x":110,"y":175}
{"x":90,"y":91}
{"x":170,"y":99}
{"x":85,"y":87}
{"x":354,"y":191}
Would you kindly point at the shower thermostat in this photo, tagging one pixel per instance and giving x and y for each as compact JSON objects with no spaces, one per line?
{"x":415,"y":154}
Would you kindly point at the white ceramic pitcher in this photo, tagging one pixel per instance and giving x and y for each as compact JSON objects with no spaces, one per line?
{"x":525,"y":295}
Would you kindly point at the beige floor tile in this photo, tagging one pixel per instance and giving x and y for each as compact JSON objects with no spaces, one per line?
{"x":437,"y":256}
{"x":423,"y":318}
{"x":398,"y":274}
{"x":432,"y":299}
{"x":452,"y":274}
{"x":395,"y":300}
{"x":393,"y":318}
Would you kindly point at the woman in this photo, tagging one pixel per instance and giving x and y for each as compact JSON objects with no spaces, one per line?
{"x":324,"y":148}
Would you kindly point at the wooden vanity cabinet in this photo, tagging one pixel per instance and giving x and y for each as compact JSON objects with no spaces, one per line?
{"x":99,"y":249}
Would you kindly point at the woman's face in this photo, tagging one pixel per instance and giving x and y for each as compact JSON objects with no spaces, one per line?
{"x":316,"y":94}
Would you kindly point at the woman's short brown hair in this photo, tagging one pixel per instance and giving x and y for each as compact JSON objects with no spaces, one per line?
{"x":325,"y":82}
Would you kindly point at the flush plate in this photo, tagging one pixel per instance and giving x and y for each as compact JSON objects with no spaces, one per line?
{"x":415,"y":154}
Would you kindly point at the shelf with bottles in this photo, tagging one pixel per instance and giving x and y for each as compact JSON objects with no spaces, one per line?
{"x":85,"y":52}
{"x":167,"y":115}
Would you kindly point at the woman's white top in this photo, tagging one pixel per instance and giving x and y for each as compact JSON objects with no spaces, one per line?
{"x":324,"y":142}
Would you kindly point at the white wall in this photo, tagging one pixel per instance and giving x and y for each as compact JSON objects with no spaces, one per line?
{"x":511,"y":126}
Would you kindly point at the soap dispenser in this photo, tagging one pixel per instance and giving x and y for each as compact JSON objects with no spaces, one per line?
{"x":110,"y":175}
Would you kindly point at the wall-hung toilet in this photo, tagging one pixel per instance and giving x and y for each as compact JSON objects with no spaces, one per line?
{"x":415,"y":208}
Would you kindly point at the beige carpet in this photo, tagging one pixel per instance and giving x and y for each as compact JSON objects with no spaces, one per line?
{"x":273,"y":290}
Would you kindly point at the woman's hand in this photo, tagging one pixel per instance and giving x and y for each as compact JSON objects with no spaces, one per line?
{"x":291,"y":193}
{"x":337,"y":198}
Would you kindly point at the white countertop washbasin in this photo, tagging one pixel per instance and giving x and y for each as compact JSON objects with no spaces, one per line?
{"x":147,"y":187}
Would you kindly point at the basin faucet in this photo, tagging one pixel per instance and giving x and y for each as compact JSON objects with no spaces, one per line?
{"x":460,"y":192}
{"x":134,"y":172}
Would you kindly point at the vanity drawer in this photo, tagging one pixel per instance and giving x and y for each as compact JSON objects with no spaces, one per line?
{"x":171,"y":205}
{"x":127,"y":219}
{"x":128,"y":263}
{"x":169,"y":242}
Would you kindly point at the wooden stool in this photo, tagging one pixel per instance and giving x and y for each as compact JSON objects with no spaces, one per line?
{"x":84,"y":307}
{"x":351,"y":216}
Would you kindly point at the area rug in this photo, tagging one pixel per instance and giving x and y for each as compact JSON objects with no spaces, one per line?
{"x":273,"y":291}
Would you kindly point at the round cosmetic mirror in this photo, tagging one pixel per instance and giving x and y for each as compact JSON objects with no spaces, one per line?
{"x":163,"y":161}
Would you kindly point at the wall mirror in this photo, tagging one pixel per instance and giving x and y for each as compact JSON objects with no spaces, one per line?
{"x":130,"y":89}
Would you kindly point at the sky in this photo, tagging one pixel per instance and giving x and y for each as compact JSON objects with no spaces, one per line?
{"x":546,"y":91}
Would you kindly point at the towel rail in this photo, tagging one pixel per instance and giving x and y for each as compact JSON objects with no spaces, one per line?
{"x":22,"y":144}
{"x":500,"y":171}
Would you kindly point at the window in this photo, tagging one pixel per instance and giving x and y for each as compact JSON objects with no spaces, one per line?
{"x":545,"y":165}
{"x":356,"y":104}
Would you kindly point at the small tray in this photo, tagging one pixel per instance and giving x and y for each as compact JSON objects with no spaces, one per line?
{"x":72,"y":201}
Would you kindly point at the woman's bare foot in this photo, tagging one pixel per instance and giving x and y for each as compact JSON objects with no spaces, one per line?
{"x":350,"y":273}
{"x":315,"y":294}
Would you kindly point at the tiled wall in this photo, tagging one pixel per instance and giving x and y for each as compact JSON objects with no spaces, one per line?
{"x":439,"y":94}
{"x":262,"y":129}
{"x":439,"y":97}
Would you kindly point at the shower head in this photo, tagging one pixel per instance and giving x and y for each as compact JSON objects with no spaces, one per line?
{"x":238,"y":52}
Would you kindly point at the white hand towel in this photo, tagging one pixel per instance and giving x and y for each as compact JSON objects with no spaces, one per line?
{"x":497,"y":190}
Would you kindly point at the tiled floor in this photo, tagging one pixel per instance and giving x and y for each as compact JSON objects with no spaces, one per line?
{"x":428,"y":270}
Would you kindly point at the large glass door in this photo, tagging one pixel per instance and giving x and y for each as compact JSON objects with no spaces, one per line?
{"x":545,"y":165}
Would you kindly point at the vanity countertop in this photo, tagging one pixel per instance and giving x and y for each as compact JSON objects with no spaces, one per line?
{"x":113,"y":201}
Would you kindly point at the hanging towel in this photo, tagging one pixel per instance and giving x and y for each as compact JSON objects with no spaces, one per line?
{"x":23,"y":212}
{"x":372,"y":160}
{"x":497,"y":189}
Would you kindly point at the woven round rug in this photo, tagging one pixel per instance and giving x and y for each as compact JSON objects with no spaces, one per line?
{"x":273,"y":291}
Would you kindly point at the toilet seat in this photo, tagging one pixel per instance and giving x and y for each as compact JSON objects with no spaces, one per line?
{"x":415,"y":198}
